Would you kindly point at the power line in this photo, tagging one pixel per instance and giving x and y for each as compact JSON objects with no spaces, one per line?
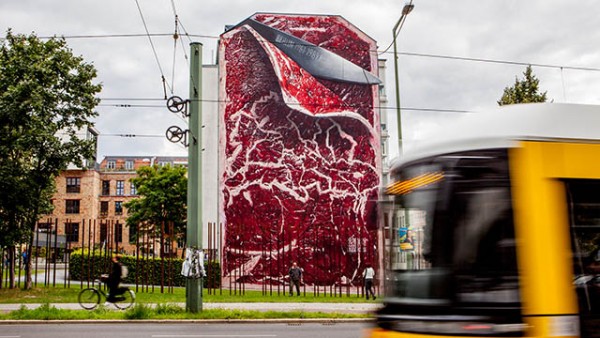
{"x":110,"y":36}
{"x":131,"y":99}
{"x":125,"y":105}
{"x":289,"y":104}
{"x":153,"y":48}
{"x":461,"y":58}
{"x":129,"y":135}
{"x":439,"y":56}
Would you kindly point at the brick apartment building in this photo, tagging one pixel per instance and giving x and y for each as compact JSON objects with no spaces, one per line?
{"x":89,"y":204}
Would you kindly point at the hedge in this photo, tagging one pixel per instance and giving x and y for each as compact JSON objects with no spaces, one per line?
{"x":86,"y":265}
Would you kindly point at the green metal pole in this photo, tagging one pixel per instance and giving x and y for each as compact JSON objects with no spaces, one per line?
{"x":193,"y":287}
{"x":405,"y":11}
{"x":398,"y":112}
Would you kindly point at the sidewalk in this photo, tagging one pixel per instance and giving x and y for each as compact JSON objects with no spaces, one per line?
{"x":307,"y":307}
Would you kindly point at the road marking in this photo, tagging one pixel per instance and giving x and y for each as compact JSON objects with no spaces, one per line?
{"x":210,"y":335}
{"x":10,"y":336}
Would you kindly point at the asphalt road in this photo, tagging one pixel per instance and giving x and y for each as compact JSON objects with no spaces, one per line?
{"x":187,"y":330}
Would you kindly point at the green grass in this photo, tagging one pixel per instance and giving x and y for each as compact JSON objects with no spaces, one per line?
{"x":60,"y":294}
{"x":168,"y":305}
{"x":162,"y":312}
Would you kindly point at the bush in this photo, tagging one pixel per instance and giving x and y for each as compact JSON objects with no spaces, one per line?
{"x":139,"y":311}
{"x":168,"y":309}
{"x":89,"y":265}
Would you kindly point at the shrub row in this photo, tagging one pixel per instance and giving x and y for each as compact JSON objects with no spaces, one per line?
{"x":86,"y":265}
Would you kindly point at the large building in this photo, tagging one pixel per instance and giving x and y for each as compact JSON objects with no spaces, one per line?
{"x":89,"y":203}
{"x":97,"y":195}
{"x":300,"y":158}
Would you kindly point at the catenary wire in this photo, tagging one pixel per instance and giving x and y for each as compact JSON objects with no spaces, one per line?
{"x":291,"y":104}
{"x":439,"y":56}
{"x":153,"y":48}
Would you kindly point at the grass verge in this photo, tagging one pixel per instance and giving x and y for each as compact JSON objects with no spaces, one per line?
{"x":62,"y":294}
{"x":164,"y":311}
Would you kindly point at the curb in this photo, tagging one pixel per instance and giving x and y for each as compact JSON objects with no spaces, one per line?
{"x":289,"y":321}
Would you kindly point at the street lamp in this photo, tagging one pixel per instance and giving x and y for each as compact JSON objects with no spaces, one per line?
{"x":405,"y":11}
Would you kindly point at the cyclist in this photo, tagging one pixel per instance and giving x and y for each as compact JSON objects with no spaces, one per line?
{"x":114,"y":279}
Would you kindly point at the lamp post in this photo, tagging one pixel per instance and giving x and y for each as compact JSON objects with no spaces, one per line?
{"x":405,"y":11}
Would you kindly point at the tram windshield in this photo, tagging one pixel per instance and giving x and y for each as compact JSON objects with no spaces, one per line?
{"x":451,"y":236}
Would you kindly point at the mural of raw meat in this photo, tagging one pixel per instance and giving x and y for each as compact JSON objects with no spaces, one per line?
{"x":299,"y":149}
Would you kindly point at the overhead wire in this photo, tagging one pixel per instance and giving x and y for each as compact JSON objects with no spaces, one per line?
{"x":385,"y":51}
{"x":291,"y":104}
{"x":175,"y":37}
{"x":110,"y":36}
{"x":130,"y":135}
{"x":461,"y":58}
{"x":165,"y":84}
{"x":179,"y":25}
{"x":183,"y":47}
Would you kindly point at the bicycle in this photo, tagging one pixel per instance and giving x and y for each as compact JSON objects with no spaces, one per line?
{"x":89,"y":298}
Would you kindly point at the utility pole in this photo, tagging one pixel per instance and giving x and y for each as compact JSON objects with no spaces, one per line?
{"x":405,"y":11}
{"x":193,"y":286}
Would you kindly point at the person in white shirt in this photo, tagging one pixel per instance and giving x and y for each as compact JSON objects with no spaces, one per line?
{"x":369,"y":275}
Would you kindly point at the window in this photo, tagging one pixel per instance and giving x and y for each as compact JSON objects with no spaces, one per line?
{"x":103,"y":232}
{"x":111,"y":165}
{"x":584,"y":210}
{"x":133,"y":234}
{"x":120,"y":188}
{"x":105,"y":188}
{"x":118,"y":208}
{"x":72,"y":207}
{"x":73,"y":184}
{"x":132,"y":189}
{"x":118,"y":232}
{"x":104,"y":208}
{"x":44,"y":227}
{"x":128,"y":165}
{"x":453,"y":226}
{"x":72,"y":232}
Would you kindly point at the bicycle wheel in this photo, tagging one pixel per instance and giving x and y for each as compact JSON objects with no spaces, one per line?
{"x":126,"y":300}
{"x":89,"y":298}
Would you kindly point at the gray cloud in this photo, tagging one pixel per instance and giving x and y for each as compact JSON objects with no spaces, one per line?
{"x":554,"y":32}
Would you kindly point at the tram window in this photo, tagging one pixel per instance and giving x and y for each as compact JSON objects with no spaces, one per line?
{"x":584,"y":211}
{"x":456,"y":211}
{"x":484,"y":254}
{"x":584,"y":214}
{"x":484,"y":231}
{"x":484,"y":250}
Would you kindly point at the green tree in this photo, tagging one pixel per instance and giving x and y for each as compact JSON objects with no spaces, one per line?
{"x":47,"y":98}
{"x":523,"y":91}
{"x":162,"y":203}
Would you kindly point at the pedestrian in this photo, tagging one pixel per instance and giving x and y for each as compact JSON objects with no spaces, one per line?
{"x":369,"y":275}
{"x":114,"y":279}
{"x":24,"y":260}
{"x":295,"y":278}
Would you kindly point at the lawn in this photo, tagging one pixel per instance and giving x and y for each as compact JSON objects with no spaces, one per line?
{"x":166,"y":312}
{"x":165,"y":305}
{"x":61,"y":294}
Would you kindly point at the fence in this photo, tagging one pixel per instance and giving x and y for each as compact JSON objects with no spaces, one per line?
{"x":154,"y":260}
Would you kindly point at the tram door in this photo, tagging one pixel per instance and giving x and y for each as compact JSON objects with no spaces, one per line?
{"x":583,"y":196}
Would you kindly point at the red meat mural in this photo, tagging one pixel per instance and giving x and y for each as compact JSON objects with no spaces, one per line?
{"x":299,"y":149}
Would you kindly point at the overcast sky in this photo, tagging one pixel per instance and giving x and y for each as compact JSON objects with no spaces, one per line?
{"x":454,"y":55}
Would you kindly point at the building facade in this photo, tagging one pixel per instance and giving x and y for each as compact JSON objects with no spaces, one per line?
{"x":89,"y":203}
{"x":300,"y":149}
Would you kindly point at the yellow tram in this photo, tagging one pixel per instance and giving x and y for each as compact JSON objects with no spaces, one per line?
{"x":494,"y":228}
